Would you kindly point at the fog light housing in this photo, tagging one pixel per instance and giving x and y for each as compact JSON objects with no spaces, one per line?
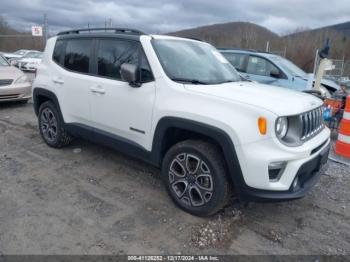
{"x":276,"y":170}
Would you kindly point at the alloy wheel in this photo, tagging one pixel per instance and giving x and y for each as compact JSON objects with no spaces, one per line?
{"x":191,"y":180}
{"x":48,"y":125}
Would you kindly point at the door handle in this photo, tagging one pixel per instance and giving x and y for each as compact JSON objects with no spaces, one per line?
{"x":58,"y":81}
{"x":97,"y":90}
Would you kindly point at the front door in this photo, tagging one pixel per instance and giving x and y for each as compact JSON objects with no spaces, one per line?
{"x":116,"y":107}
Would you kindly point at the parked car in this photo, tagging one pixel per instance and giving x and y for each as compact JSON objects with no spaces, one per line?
{"x":30,"y":61}
{"x":18,"y":54}
{"x":15,"y":56}
{"x":180,"y":105}
{"x":14,"y":85}
{"x":275,"y":70}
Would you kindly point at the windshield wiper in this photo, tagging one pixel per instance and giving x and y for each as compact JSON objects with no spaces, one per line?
{"x":191,"y":81}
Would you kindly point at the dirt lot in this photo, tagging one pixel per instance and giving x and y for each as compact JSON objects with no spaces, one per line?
{"x":86,"y":199}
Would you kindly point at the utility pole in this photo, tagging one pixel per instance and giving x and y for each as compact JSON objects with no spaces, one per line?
{"x":45,"y":29}
{"x":267,"y":46}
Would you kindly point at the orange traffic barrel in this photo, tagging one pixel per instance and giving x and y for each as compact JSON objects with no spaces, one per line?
{"x":342,"y":146}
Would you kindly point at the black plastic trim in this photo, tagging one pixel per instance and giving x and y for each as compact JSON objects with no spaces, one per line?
{"x":37,"y":92}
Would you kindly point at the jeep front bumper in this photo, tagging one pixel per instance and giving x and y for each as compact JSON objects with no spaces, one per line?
{"x":299,"y":174}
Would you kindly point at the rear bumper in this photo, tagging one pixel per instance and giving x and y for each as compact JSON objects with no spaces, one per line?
{"x":307,"y":176}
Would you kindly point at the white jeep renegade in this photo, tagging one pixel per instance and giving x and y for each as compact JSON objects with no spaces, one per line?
{"x":179,"y":105}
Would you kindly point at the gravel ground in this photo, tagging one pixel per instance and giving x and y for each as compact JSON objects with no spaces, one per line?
{"x":87,"y":199}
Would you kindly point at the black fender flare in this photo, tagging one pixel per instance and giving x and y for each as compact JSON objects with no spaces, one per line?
{"x":218,"y":135}
{"x":38,"y":92}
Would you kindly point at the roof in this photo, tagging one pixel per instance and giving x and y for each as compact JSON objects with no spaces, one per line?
{"x":246,"y":51}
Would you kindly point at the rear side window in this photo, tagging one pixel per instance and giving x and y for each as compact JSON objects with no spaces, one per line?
{"x":237,"y":60}
{"x":112,"y":53}
{"x":77,"y":55}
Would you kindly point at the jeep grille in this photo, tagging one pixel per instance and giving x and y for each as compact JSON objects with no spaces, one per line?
{"x":312,"y":123}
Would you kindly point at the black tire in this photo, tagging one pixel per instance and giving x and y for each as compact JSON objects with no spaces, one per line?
{"x":207,"y":202}
{"x":59,"y":136}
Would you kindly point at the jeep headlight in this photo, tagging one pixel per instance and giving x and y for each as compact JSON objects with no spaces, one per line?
{"x":281,"y":127}
{"x":22,"y":79}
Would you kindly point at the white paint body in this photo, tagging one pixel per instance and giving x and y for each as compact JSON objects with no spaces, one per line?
{"x":114,"y":106}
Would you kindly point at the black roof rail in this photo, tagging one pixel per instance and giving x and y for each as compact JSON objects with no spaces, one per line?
{"x":116,"y":30}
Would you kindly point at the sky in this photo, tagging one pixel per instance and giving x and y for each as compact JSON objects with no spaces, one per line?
{"x":162,"y":16}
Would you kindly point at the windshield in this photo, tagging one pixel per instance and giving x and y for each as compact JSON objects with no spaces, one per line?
{"x":194,"y":62}
{"x":288,"y":66}
{"x":3,"y":62}
{"x":34,"y":55}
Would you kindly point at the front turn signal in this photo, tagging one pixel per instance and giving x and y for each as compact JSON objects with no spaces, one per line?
{"x":262,"y":124}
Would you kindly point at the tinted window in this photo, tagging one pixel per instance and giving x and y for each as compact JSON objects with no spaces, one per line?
{"x":260,"y":66}
{"x":77,"y":56}
{"x":113,"y":53}
{"x":146,"y":72}
{"x":237,"y":60}
{"x":58,"y":52}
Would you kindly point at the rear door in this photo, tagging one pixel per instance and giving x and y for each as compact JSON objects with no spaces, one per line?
{"x":116,"y":107}
{"x":71,"y":79}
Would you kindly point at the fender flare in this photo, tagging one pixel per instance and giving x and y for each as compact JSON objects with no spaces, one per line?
{"x":218,"y":135}
{"x":37,"y":92}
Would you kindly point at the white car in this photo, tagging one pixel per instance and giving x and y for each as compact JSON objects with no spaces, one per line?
{"x":180,"y":105}
{"x":30,"y":61}
{"x":18,"y":54}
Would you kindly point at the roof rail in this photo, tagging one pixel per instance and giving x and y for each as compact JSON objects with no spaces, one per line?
{"x":116,"y":30}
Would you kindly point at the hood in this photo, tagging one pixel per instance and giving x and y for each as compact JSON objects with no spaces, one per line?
{"x":9,"y":55}
{"x":278,"y":100}
{"x":324,"y":81}
{"x":9,"y":72}
{"x":30,"y":60}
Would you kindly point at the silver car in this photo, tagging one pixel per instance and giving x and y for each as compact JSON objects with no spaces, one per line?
{"x":14,"y":85}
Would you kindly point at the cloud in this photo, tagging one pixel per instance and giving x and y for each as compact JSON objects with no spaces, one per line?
{"x":159,"y":16}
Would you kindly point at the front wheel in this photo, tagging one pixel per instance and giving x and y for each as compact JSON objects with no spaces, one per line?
{"x":194,"y":174}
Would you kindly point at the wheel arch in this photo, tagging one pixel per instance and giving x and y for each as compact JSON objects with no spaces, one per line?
{"x":41,"y":95}
{"x":171,"y":130}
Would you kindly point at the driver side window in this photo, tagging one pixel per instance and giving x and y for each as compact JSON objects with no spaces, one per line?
{"x":260,"y":66}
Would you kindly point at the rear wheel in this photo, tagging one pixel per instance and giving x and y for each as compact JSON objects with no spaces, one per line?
{"x":194,"y":174}
{"x":52,"y":127}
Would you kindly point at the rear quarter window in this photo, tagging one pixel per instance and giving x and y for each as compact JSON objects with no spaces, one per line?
{"x":58,"y":52}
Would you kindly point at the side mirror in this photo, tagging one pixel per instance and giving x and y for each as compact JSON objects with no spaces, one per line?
{"x":275,"y":73}
{"x":130,"y":74}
